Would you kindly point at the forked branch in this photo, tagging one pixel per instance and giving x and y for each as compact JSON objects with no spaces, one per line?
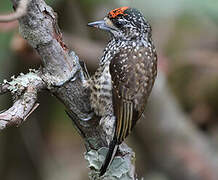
{"x":24,"y":90}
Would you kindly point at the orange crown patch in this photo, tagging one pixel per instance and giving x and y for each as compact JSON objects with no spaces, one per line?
{"x":114,"y":13}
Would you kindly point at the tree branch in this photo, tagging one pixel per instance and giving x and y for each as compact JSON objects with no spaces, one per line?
{"x":20,"y":11}
{"x":24,"y":90}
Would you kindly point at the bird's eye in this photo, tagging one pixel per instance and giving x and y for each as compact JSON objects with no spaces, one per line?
{"x":120,"y":23}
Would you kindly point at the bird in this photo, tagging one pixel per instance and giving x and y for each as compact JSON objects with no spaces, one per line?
{"x":125,"y":77}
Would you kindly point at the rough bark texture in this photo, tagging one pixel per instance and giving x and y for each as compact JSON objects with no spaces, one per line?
{"x":61,"y":74}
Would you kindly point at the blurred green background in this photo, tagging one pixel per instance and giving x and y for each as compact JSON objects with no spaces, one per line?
{"x":46,"y":146}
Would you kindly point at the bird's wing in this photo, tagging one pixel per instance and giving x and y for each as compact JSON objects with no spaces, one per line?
{"x":132,"y":72}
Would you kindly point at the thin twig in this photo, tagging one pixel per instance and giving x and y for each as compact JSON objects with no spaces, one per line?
{"x":20,"y":12}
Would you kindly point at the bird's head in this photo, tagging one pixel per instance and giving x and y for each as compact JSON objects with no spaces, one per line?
{"x":124,"y":23}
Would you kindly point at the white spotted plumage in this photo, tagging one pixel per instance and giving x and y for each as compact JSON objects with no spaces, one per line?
{"x":126,"y":74}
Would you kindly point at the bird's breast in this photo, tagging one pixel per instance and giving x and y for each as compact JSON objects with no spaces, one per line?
{"x":101,"y":91}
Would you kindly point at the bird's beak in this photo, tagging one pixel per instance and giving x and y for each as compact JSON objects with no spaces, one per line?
{"x":100,"y":24}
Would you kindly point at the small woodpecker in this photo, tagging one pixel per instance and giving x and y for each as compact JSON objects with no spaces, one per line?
{"x":126,"y":73}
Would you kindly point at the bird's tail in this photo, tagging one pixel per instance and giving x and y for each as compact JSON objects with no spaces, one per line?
{"x":110,"y":156}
